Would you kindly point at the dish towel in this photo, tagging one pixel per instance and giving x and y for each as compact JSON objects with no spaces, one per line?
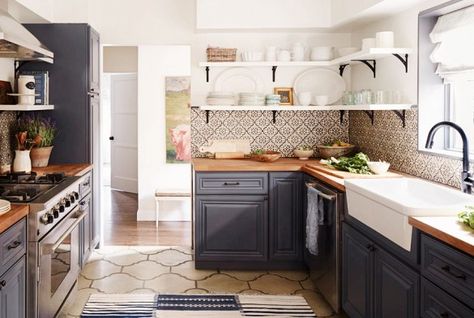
{"x":314,"y":218}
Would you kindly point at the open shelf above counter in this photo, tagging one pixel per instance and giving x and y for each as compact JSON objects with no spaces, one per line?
{"x":25,"y":108}
{"x":367,"y":57}
{"x":369,"y":109}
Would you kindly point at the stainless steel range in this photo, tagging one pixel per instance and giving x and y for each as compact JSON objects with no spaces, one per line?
{"x":53,"y":236}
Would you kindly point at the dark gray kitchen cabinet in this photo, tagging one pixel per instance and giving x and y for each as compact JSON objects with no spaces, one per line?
{"x":396,"y":287}
{"x":13,"y":291}
{"x":357,"y":274}
{"x":285,"y":216}
{"x":74,"y":77}
{"x":231,"y":228}
{"x":375,"y":283}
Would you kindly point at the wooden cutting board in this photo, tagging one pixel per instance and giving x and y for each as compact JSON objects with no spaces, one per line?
{"x":348,"y":175}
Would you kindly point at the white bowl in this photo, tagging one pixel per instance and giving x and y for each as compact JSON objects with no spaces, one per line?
{"x":252,"y":56}
{"x":343,"y":51}
{"x":303,"y":154}
{"x":378,"y":167}
{"x":322,"y":53}
{"x":321,"y":100}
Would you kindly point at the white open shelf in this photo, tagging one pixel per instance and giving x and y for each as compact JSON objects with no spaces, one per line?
{"x":25,"y":108}
{"x":370,"y":54}
{"x":309,"y":108}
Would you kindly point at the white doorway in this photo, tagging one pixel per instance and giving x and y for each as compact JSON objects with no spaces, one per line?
{"x":123,"y":145}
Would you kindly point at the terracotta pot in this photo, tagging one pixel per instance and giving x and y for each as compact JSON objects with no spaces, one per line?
{"x":40,"y":156}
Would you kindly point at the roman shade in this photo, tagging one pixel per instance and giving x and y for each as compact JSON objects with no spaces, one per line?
{"x":453,"y":35}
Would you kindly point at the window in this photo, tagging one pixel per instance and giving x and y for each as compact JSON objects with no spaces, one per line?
{"x":446,"y":74}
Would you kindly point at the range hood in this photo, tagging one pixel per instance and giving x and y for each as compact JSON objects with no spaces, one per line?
{"x":18,"y":43}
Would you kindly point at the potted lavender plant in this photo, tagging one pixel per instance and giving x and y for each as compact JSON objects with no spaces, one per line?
{"x":42,"y":131}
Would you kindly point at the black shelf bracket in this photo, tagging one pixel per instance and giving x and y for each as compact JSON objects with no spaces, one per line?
{"x":274,"y":69}
{"x":402,"y":115}
{"x":341,"y":116}
{"x":207,"y":74}
{"x":371,"y":115}
{"x":403,"y":60}
{"x":372,"y":64}
{"x":341,"y":69}
{"x":274,"y":115}
{"x":207,"y":116}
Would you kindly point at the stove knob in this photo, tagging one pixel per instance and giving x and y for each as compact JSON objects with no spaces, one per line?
{"x":76,"y":195}
{"x":67,"y":203}
{"x":61,"y":207}
{"x":55,"y":212}
{"x":47,"y":218}
{"x":72,"y":198}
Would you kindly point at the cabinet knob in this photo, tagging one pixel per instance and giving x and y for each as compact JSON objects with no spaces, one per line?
{"x":371,"y":247}
{"x":447,"y":269}
{"x":14,"y":245}
{"x":3,"y":283}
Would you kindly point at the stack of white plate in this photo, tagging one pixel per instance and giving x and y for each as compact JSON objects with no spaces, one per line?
{"x":272,"y":99}
{"x":5,"y":206}
{"x":252,"y":99}
{"x":220,"y":98}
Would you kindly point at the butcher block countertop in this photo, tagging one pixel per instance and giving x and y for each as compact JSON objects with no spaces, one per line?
{"x":283,"y":164}
{"x":446,"y":229}
{"x":17,"y":212}
{"x":73,"y":169}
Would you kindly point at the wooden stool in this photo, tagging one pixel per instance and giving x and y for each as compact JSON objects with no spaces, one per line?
{"x":169,"y":195}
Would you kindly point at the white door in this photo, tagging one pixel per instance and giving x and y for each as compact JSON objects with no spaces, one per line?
{"x":124,"y":158}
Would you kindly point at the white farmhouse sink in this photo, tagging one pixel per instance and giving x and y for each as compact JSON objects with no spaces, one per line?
{"x":386,"y":204}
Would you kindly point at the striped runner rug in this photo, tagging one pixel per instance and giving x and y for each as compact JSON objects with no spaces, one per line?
{"x":199,"y":306}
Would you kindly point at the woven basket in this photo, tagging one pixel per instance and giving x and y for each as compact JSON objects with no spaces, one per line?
{"x":217,"y":54}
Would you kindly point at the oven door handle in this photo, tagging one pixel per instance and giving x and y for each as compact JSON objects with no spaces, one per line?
{"x":48,"y":249}
{"x":321,"y":194}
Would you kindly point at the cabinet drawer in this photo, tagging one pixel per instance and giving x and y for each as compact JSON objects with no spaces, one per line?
{"x":436,"y":303}
{"x":232,"y":183}
{"x":12,"y":245}
{"x":448,"y":268}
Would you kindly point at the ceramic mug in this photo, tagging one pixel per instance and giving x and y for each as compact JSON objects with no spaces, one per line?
{"x":384,"y":39}
{"x":297,"y":52}
{"x":304,"y":98}
{"x":284,"y":56}
{"x":271,"y":53}
{"x":321,"y":100}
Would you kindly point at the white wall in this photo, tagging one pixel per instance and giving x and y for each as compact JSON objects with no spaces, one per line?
{"x":155,"y":63}
{"x":263,"y":14}
{"x":120,"y":59}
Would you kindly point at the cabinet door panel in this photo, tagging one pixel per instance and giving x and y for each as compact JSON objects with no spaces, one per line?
{"x":357,"y":274}
{"x":286,"y":235}
{"x":85,"y":230}
{"x":13,"y":291}
{"x":396,"y":287}
{"x":231,"y":228}
{"x":94,"y":61}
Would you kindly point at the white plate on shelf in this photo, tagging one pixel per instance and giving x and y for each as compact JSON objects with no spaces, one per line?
{"x":321,"y":81}
{"x":238,"y":79}
{"x":5,"y":206}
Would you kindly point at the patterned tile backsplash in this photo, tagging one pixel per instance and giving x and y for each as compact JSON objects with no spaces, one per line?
{"x":7,"y":126}
{"x":388,"y":140}
{"x":291,"y":129}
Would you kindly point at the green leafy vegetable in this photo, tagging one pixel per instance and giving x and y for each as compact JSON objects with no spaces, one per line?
{"x":356,"y":164}
{"x":467,"y":216}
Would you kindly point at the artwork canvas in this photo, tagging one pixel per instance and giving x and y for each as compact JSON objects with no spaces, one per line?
{"x":178,"y":124}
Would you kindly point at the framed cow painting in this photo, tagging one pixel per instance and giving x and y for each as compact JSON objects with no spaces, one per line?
{"x":178,"y":125}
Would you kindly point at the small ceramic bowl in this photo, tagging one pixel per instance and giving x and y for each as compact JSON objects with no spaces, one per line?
{"x":321,"y":100}
{"x":378,"y":167}
{"x":303,"y":154}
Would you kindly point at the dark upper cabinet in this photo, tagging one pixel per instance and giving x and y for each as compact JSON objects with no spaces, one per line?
{"x":357,"y":274}
{"x":285,"y":216}
{"x":231,"y":228}
{"x":396,"y":287}
{"x":374,"y":283}
{"x":13,"y":291}
{"x":75,"y":72}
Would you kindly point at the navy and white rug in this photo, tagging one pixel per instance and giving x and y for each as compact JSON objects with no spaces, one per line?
{"x":182,"y":305}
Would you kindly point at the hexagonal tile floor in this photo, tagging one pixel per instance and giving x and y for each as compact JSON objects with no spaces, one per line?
{"x":171,"y":270}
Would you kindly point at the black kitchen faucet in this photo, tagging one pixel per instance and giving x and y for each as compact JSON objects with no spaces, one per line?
{"x":467,"y":180}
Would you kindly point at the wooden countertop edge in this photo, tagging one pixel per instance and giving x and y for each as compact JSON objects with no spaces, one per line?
{"x":14,"y":215}
{"x":74,"y":169}
{"x":442,"y":235}
{"x":331,"y":180}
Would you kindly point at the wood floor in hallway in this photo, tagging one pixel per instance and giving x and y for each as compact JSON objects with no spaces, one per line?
{"x":121,"y":226}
